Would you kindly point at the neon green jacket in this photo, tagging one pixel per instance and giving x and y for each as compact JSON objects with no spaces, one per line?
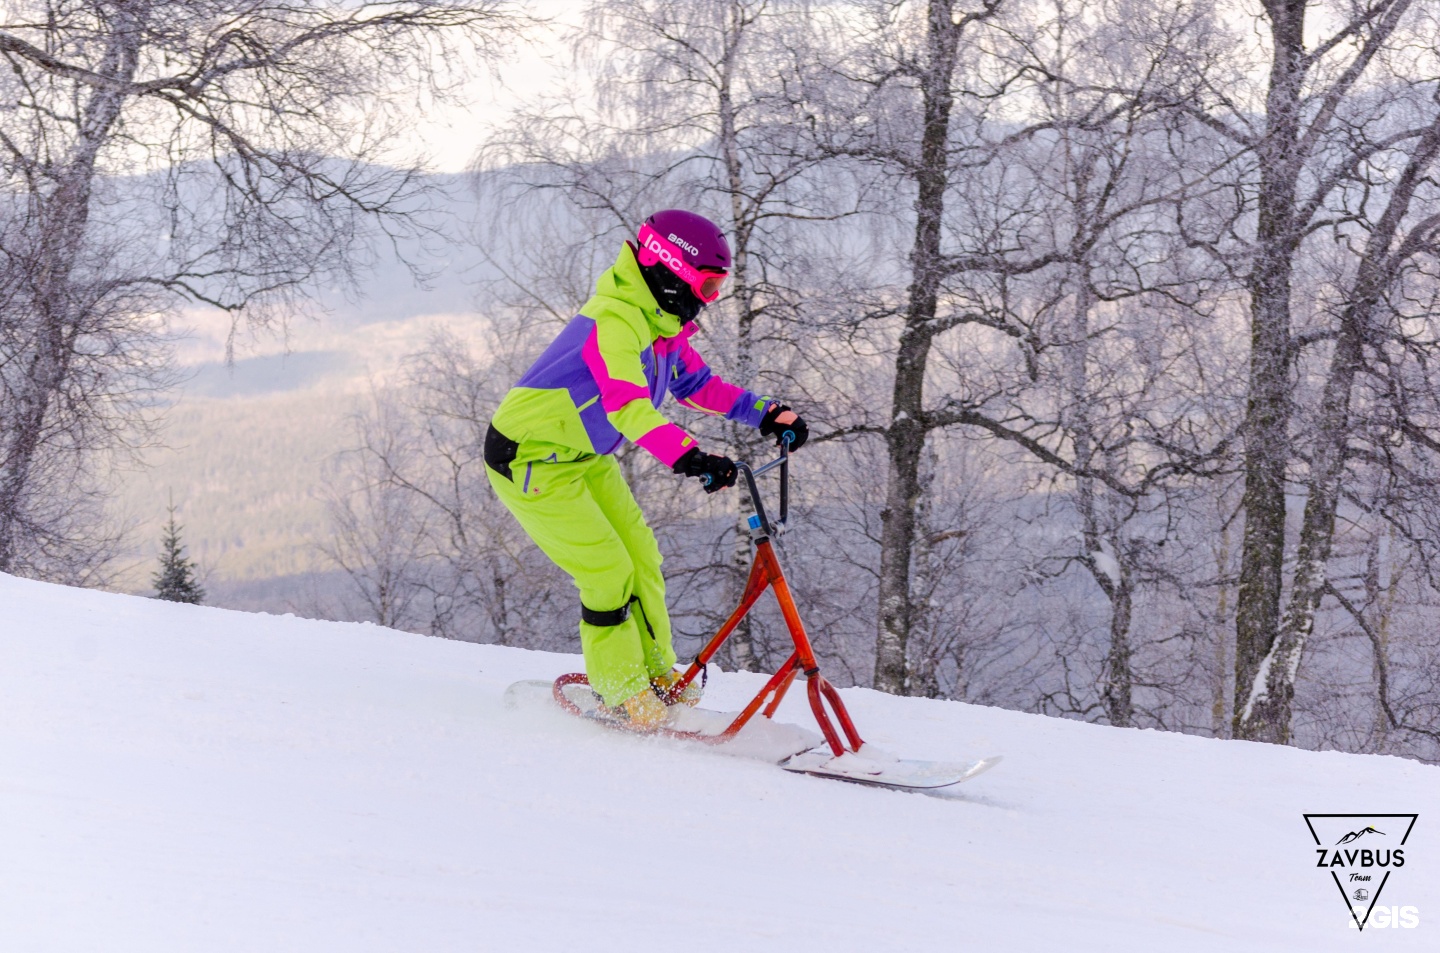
{"x":603,"y":378}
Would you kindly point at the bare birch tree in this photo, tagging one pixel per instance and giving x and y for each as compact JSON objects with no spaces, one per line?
{"x":414,"y":525}
{"x":992,"y":228}
{"x":155,"y":152}
{"x":1395,"y":239}
{"x":379,"y":530}
{"x":1316,"y":128}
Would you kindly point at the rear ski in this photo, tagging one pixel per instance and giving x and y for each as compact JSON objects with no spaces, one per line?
{"x":761,"y":740}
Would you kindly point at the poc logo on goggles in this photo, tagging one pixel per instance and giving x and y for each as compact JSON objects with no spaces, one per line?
{"x":653,"y":248}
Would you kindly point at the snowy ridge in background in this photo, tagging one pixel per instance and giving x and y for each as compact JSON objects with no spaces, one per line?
{"x":177,"y":778}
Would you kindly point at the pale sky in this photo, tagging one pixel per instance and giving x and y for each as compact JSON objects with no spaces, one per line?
{"x":452,"y":136}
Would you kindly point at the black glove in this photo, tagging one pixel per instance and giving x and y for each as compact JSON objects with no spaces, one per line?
{"x":799,"y":433}
{"x":715,"y":471}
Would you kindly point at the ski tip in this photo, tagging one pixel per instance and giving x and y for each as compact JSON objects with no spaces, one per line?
{"x":983,"y":765}
{"x":526,"y":694}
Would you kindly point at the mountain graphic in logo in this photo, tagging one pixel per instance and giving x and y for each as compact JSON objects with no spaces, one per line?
{"x":1356,"y":835}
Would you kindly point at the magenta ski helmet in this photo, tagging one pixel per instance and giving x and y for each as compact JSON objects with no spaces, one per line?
{"x":692,"y":249}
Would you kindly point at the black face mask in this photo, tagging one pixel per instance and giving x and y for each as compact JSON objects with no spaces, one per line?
{"x":673,"y":294}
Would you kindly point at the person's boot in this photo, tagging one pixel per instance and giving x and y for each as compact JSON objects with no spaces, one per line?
{"x":664,"y":686}
{"x":645,"y":711}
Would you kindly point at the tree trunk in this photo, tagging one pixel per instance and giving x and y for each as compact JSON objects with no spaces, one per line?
{"x":1220,"y":690}
{"x":1107,"y":569}
{"x":1266,"y":714}
{"x":905,"y":435}
{"x":744,"y":442}
{"x":1119,"y":677}
{"x":925,"y":658}
{"x":1380,"y":593}
{"x":1267,"y":412}
{"x":60,"y":225}
{"x":904,"y":444}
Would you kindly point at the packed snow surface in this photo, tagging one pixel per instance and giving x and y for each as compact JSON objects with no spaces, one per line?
{"x":175,"y":778}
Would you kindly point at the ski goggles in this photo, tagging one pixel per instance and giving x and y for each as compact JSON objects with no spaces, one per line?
{"x":705,"y":283}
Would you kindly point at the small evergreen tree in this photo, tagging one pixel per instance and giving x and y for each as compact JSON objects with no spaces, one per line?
{"x":176,"y":582}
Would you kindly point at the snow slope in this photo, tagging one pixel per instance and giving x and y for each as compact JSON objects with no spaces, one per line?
{"x":175,"y":778}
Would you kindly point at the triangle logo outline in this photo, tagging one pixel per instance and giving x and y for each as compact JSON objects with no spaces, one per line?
{"x":1362,"y":828}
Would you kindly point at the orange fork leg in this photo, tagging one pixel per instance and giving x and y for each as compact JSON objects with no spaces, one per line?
{"x":765,"y":572}
{"x":755,"y":586}
{"x":778,"y":683}
{"x":818,"y":688}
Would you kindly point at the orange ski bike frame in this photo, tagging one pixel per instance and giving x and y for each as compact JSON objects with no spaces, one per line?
{"x":765,"y":573}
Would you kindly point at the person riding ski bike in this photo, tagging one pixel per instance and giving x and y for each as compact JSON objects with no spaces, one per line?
{"x":549,"y":452}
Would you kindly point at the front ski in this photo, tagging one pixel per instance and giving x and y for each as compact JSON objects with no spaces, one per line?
{"x":872,"y":766}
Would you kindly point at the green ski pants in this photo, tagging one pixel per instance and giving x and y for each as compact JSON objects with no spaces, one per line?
{"x":584,"y":517}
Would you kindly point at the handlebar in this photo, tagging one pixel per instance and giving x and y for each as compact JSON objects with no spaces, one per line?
{"x":760,"y":522}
